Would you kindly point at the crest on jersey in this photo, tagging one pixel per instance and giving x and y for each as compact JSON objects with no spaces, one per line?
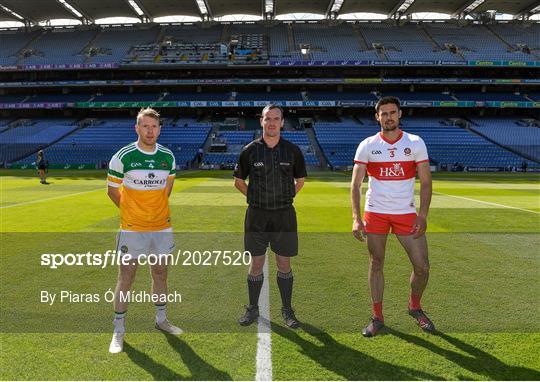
{"x":164,"y":164}
{"x":407,"y":151}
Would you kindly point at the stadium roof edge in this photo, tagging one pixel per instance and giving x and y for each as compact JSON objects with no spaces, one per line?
{"x":34,"y":11}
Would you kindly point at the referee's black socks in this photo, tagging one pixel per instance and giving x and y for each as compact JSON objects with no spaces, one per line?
{"x":285,"y":284}
{"x":254,"y":288}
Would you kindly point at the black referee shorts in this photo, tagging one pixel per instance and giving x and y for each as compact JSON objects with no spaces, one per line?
{"x":275,"y":227}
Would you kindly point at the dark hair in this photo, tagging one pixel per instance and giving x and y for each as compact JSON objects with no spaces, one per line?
{"x":272,"y":106}
{"x":386,"y":101}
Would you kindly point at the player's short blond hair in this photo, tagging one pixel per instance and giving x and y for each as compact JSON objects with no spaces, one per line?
{"x":147,"y":112}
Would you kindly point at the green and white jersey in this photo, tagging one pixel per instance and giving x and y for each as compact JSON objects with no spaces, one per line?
{"x":143,"y":176}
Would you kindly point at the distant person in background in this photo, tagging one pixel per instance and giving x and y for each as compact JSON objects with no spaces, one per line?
{"x":42,"y":165}
{"x":524,"y":166}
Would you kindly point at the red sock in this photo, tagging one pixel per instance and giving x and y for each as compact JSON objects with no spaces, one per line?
{"x":377,"y":310}
{"x":414,"y":302}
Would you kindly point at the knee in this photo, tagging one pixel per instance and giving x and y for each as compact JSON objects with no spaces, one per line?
{"x":284,"y":268}
{"x":159,"y":273}
{"x":125,"y":282}
{"x":376,"y":264}
{"x":283,"y":264}
{"x":256,"y":266}
{"x":421,"y":270}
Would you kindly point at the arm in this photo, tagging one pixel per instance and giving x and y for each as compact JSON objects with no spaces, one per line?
{"x":424,"y":174}
{"x":114,"y":195}
{"x":298,"y":184}
{"x":170,"y":184}
{"x":358,"y":175}
{"x":241,"y":185}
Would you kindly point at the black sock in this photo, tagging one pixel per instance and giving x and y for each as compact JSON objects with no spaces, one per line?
{"x":254,"y":288}
{"x":285,"y":284}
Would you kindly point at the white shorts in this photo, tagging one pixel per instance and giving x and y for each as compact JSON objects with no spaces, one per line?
{"x":135,"y":244}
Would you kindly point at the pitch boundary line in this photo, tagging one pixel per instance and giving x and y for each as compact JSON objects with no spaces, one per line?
{"x":489,"y":203}
{"x":264,"y":338}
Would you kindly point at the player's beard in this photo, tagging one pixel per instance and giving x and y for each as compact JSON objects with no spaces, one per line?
{"x":390,"y":126}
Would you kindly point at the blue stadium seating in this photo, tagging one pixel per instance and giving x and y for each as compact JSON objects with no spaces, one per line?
{"x":11,"y":42}
{"x":27,"y":138}
{"x":273,"y":96}
{"x":446,"y":144}
{"x":507,"y":132}
{"x":59,"y":46}
{"x":71,"y":97}
{"x":301,"y":139}
{"x":196,"y":96}
{"x":14,"y":98}
{"x":130,"y":97}
{"x":345,"y":41}
{"x":488,"y":96}
{"x":317,"y":95}
{"x":331,"y":42}
{"x":97,"y":143}
{"x":421,"y":96}
{"x":522,"y":33}
{"x":474,"y":42}
{"x":535,"y":96}
{"x":407,"y":42}
{"x":115,"y":43}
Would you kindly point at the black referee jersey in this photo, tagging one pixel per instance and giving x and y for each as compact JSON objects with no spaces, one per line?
{"x":271,"y":173}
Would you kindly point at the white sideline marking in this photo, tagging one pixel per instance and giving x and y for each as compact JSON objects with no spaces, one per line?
{"x":264,"y":339}
{"x":490,"y":203}
{"x":54,"y":197}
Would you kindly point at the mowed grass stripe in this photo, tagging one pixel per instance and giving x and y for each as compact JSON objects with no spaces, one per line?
{"x":488,"y":203}
{"x":479,"y":282}
{"x":49,"y":199}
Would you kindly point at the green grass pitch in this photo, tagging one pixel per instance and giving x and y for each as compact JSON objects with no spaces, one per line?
{"x":483,"y":294}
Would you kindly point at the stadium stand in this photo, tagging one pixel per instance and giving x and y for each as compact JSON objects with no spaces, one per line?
{"x":301,"y":139}
{"x":420,"y":96}
{"x":119,"y":97}
{"x":524,"y":137}
{"x":270,"y":96}
{"x":197,"y":96}
{"x":113,"y":44}
{"x":488,"y":96}
{"x":446,"y":144}
{"x":177,"y":44}
{"x":12,"y":42}
{"x":318,"y":95}
{"x":331,"y":42}
{"x":96,"y":143}
{"x":57,"y":46}
{"x":408,"y":42}
{"x":70,"y":97}
{"x":473,"y":42}
{"x":28,"y":136}
{"x":522,"y":37}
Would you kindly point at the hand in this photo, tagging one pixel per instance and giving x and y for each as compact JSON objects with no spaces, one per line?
{"x":420,"y":226}
{"x":358,"y":230}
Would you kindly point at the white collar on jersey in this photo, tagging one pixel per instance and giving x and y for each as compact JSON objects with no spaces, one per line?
{"x":144,"y":151}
